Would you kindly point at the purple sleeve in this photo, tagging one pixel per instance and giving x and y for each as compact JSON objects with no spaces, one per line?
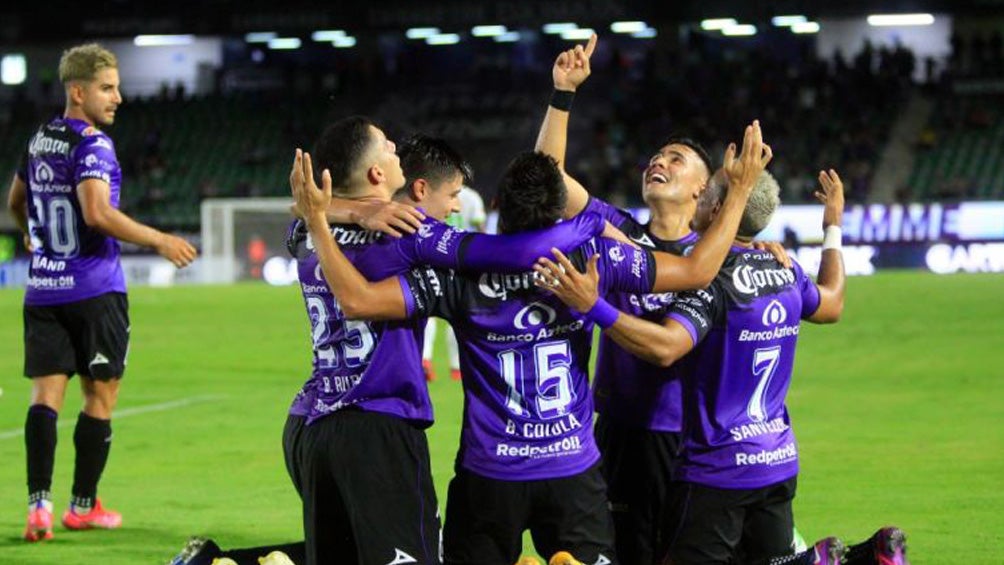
{"x":429,"y":291}
{"x":696,"y":311}
{"x":409,"y":297}
{"x":94,"y":158}
{"x":609,"y":212}
{"x":625,"y":268}
{"x":443,"y":246}
{"x":808,"y":290}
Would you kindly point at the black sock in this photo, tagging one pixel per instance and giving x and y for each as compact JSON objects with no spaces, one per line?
{"x":40,"y":443}
{"x":92,"y":439}
{"x":861,"y":553}
{"x":297,"y":552}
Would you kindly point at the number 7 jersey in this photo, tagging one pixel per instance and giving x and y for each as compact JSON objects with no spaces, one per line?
{"x":71,"y":261}
{"x":736,"y":430}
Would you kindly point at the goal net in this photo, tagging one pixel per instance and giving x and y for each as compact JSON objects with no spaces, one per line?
{"x":245,"y":239}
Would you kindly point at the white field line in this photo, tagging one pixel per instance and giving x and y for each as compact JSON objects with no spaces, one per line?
{"x":126,"y":412}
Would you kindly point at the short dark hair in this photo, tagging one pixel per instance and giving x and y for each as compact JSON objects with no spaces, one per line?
{"x":696,"y":147}
{"x":340,"y":149}
{"x":432,"y":159}
{"x":532,"y":193}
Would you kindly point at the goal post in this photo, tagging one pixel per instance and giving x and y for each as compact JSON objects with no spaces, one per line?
{"x":239,"y":235}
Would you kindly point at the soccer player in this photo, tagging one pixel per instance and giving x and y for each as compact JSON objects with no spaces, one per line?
{"x":638,"y":408}
{"x":471,"y":217}
{"x":527,"y":447}
{"x":65,"y":198}
{"x":736,"y":340}
{"x":354,"y":442}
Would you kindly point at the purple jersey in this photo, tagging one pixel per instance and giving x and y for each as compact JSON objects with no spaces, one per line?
{"x":378,"y":365}
{"x":71,"y":261}
{"x":736,"y":431}
{"x":627,"y":388}
{"x":524,"y":355}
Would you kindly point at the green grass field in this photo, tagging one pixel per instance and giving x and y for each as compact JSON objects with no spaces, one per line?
{"x":899,"y":410}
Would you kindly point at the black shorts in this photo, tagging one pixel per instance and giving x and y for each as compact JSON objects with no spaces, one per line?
{"x":367,"y":490}
{"x":637,"y":466}
{"x":90,"y":337}
{"x":709,"y":525}
{"x":485,"y":519}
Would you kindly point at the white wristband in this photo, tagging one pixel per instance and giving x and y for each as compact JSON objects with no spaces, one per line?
{"x":832,"y":238}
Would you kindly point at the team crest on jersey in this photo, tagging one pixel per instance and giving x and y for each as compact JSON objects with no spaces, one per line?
{"x":616,"y":254}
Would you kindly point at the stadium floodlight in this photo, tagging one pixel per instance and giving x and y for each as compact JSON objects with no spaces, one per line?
{"x":324,"y":35}
{"x":715,"y":24}
{"x":13,"y":69}
{"x":507,"y":37}
{"x":162,"y":40}
{"x":260,"y":36}
{"x":421,"y":32}
{"x":647,"y":33}
{"x":488,"y":31}
{"x":628,"y":27}
{"x":578,"y":34}
{"x":344,"y":42}
{"x":443,"y":39}
{"x":739,"y":30}
{"x":284,"y":43}
{"x":805,"y":27}
{"x":882,"y":20}
{"x":559,"y":28}
{"x":787,"y":21}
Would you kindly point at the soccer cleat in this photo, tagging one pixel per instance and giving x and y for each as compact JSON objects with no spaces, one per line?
{"x":197,"y":551}
{"x":563,"y":558}
{"x":39,"y":522}
{"x":275,"y":558}
{"x":890,"y":546}
{"x":224,"y":561}
{"x":527,"y":560}
{"x":829,"y":551}
{"x":455,"y":374}
{"x":430,"y":373}
{"x":98,"y":517}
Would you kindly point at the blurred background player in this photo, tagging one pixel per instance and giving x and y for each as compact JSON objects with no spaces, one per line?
{"x":471,"y":217}
{"x":65,"y":198}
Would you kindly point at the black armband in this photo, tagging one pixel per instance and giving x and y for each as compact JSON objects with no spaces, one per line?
{"x":562,"y":100}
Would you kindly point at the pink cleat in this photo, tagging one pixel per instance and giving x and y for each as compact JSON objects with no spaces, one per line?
{"x":39,"y":522}
{"x":829,"y":551}
{"x":890,"y":546}
{"x":98,"y":517}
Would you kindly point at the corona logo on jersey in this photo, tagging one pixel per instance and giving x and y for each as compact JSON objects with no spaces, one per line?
{"x":498,"y":285}
{"x":533,"y":315}
{"x":750,"y":280}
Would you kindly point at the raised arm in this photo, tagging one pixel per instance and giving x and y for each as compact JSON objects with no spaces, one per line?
{"x":697,"y":270}
{"x":658,"y":344}
{"x":95,"y":204}
{"x":570,"y":70}
{"x":831,"y":266}
{"x":357,"y":297}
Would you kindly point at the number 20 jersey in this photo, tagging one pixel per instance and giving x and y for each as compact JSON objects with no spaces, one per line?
{"x":736,"y":429}
{"x":524,"y":356}
{"x":71,"y":261}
